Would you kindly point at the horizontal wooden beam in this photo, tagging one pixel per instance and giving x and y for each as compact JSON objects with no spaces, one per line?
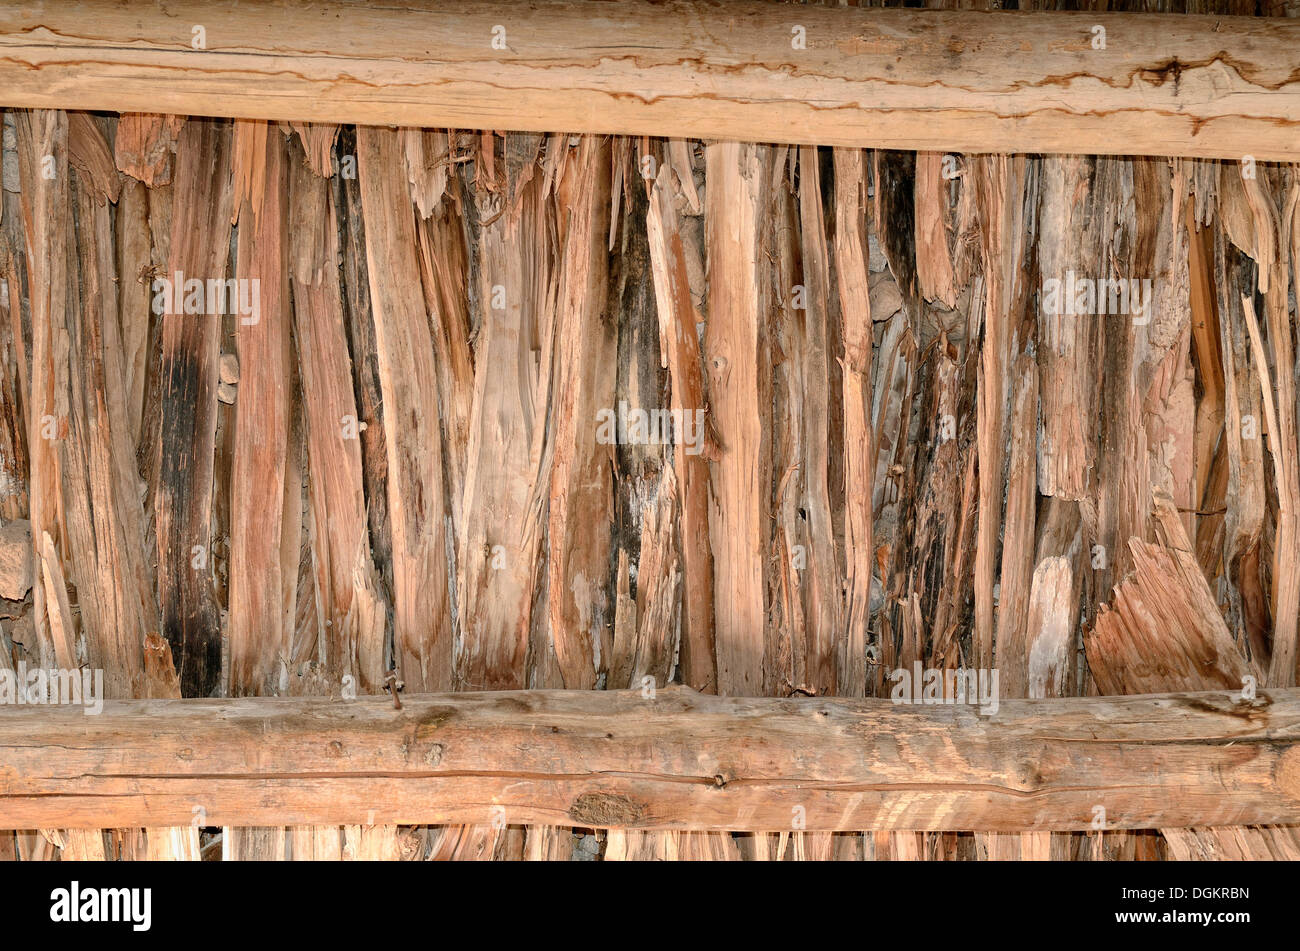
{"x":677,"y":760}
{"x":964,"y":81}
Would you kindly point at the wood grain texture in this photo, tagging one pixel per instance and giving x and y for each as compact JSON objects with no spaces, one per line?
{"x":500,"y":535}
{"x":421,"y":621}
{"x":45,"y":211}
{"x":852,"y":276}
{"x":1162,"y":632}
{"x":962,"y":80}
{"x":200,"y":246}
{"x":258,"y":628}
{"x":581,"y":500}
{"x":354,"y":607}
{"x":681,"y":760}
{"x":738,"y":359}
{"x":680,"y":346}
{"x":102,"y":513}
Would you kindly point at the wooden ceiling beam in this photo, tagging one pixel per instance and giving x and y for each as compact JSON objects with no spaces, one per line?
{"x":677,"y":760}
{"x":967,"y":81}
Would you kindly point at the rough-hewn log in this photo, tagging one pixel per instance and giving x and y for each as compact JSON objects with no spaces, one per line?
{"x":678,"y":760}
{"x":916,"y":79}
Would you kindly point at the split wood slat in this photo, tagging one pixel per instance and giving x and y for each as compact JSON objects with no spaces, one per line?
{"x":258,"y":629}
{"x":408,"y":381}
{"x":184,"y":460}
{"x":680,"y":350}
{"x":580,"y":498}
{"x":503,"y":517}
{"x":817,"y":465}
{"x":739,"y":379}
{"x":852,"y":277}
{"x":351,"y":598}
{"x":46,"y":217}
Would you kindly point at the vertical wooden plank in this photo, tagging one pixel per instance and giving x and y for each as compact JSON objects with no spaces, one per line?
{"x":359,"y":320}
{"x":422,"y":643}
{"x":505,"y":475}
{"x":1000,"y":194}
{"x":259,"y":637}
{"x":133,"y":270}
{"x":1017,"y":570}
{"x":444,"y":272}
{"x":1278,"y":399}
{"x":355,"y":612}
{"x":739,"y":372}
{"x":199,"y":249}
{"x":101,"y":498}
{"x":646,"y":625}
{"x":824,"y":607}
{"x":43,"y":161}
{"x":1073,"y":206}
{"x":852,"y":275}
{"x":678,"y":319}
{"x":1001,"y":187}
{"x":581,"y":500}
{"x":788,"y":653}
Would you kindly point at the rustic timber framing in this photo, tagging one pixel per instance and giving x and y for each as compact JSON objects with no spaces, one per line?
{"x":1204,"y":87}
{"x":618,"y":759}
{"x":962,"y":81}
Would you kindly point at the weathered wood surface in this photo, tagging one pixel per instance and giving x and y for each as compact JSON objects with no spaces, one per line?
{"x":679,"y":760}
{"x":932,"y":466}
{"x":961,"y":80}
